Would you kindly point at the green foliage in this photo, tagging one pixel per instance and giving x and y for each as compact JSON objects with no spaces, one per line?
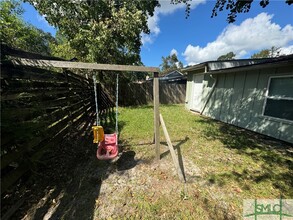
{"x":16,"y":33}
{"x":267,"y":53}
{"x":186,"y":2}
{"x":261,"y":54}
{"x":228,"y":56}
{"x":233,"y":6}
{"x":100,"y":31}
{"x":61,"y":48}
{"x":170,"y":63}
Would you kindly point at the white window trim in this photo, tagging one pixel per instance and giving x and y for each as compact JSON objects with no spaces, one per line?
{"x":276,"y":98}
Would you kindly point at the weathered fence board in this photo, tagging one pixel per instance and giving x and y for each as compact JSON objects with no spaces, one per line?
{"x":172,"y":93}
{"x":142,"y":94}
{"x":37,"y":107}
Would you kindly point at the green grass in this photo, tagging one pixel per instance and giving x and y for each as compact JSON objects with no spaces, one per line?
{"x":236,"y":164}
{"x":136,"y":124}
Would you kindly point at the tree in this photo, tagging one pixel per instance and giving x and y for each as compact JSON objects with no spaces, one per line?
{"x":267,"y":53}
{"x":170,"y":62}
{"x":104,"y":31}
{"x":61,"y":48}
{"x":228,"y":56}
{"x":16,"y":33}
{"x":233,"y":6}
{"x":261,"y":54}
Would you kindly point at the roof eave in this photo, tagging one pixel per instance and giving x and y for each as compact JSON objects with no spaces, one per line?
{"x":195,"y":67}
{"x":252,"y":67}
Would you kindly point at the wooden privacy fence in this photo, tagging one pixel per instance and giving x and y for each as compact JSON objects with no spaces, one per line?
{"x":38,"y":107}
{"x":141,"y":94}
{"x":172,"y":93}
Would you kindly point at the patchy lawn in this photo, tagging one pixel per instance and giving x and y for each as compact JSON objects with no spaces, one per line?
{"x":233,"y":163}
{"x":222,"y":164}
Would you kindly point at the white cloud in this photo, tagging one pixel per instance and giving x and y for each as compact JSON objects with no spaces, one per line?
{"x":165,"y":9}
{"x":168,"y":8}
{"x":154,"y":29}
{"x":146,"y":38}
{"x":252,"y":34}
{"x":42,"y":19}
{"x":153,"y":24}
{"x":286,"y":50}
{"x":173,"y":51}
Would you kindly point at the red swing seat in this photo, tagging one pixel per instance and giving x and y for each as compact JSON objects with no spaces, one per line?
{"x":108,"y":148}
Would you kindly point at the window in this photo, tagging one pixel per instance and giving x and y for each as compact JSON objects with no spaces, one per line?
{"x":279,"y":98}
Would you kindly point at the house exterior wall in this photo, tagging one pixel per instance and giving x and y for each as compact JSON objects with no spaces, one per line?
{"x":189,"y":87}
{"x":239,"y":97}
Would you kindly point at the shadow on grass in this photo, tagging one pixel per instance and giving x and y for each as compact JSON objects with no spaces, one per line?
{"x":126,"y":161}
{"x":179,"y":154}
{"x":274,"y":157}
{"x":176,"y":147}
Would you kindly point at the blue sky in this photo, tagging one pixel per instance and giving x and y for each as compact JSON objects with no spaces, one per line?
{"x":200,"y":38}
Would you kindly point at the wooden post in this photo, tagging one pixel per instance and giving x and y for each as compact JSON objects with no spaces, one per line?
{"x":172,"y":151}
{"x":156,"y":114}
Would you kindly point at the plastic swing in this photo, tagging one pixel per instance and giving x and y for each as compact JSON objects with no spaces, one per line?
{"x":107,"y":143}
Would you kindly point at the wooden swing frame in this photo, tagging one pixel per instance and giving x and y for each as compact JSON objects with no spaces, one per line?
{"x":158,"y":119}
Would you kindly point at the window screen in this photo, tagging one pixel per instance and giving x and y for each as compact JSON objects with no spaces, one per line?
{"x":279,"y":99}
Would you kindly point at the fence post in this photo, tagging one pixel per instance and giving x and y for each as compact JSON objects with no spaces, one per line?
{"x":156,"y":114}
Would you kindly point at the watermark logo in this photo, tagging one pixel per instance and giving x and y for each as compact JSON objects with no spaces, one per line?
{"x":263,"y":209}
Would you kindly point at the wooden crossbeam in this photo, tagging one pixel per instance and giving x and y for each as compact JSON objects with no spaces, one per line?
{"x":81,"y":65}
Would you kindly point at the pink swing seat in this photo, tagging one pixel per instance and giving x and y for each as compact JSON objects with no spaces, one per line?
{"x":108,"y":148}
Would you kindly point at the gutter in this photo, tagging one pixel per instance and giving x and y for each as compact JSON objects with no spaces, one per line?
{"x":196,"y":67}
{"x":254,"y":66}
{"x":212,"y":91}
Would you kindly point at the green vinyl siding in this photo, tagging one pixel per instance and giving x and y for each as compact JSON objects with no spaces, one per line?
{"x":286,"y":132}
{"x":219,"y":92}
{"x":248,"y":95}
{"x":236,"y":100}
{"x":227,"y":106}
{"x":209,"y":93}
{"x":239,"y":99}
{"x":207,"y":89}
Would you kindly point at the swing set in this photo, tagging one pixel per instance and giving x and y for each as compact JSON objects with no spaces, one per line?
{"x":108,"y":143}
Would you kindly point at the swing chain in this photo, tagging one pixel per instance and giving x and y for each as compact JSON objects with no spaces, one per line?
{"x":117,"y":95}
{"x":96,"y":99}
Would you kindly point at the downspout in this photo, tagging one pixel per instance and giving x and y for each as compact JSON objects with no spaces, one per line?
{"x":212,"y":91}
